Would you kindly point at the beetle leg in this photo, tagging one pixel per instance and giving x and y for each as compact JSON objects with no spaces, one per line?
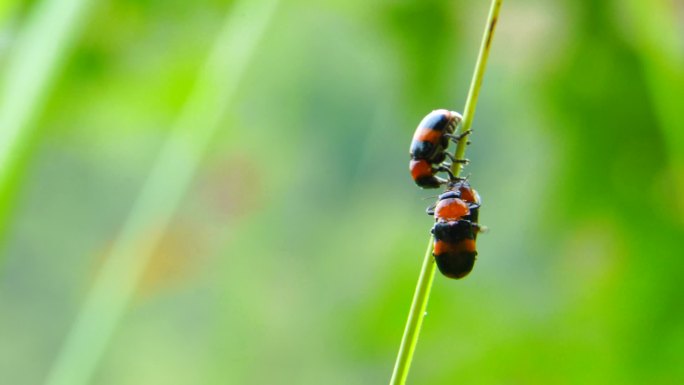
{"x":445,"y":167}
{"x":457,"y":138}
{"x":431,"y":209}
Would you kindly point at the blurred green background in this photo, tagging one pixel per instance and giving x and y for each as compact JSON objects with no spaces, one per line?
{"x":292,"y":252}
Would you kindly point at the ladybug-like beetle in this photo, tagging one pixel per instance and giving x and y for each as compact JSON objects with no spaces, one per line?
{"x":429,"y":145}
{"x":456,"y":229}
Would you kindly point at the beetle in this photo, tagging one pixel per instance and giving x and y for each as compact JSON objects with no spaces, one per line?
{"x":429,"y":145}
{"x":456,"y":228}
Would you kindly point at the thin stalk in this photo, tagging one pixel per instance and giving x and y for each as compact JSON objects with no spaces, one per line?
{"x":475,"y":85}
{"x":415,"y":318}
{"x":162,"y":192}
{"x":427,"y":272}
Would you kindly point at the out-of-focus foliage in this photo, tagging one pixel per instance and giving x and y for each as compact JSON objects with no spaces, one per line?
{"x":294,"y":256}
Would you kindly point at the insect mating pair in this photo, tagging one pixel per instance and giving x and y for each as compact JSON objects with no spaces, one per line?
{"x":457,"y":209}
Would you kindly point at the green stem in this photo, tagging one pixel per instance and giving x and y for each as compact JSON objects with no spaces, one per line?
{"x":476,"y":84}
{"x":415,"y":318}
{"x":427,"y":272}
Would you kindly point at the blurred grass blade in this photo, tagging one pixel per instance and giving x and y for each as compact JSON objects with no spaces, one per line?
{"x":36,"y":56}
{"x":165,"y":187}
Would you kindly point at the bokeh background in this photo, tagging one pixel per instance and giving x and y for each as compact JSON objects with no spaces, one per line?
{"x":270,"y":234}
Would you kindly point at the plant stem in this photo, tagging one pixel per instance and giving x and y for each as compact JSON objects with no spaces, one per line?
{"x":476,"y":84}
{"x":427,"y":272}
{"x":415,"y":318}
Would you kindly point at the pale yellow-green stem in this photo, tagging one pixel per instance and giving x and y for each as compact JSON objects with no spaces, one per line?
{"x":427,"y":273}
{"x":475,"y":85}
{"x":415,"y":318}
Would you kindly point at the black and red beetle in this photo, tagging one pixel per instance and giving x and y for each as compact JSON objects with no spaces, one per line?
{"x":456,"y":228}
{"x":429,"y":147}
